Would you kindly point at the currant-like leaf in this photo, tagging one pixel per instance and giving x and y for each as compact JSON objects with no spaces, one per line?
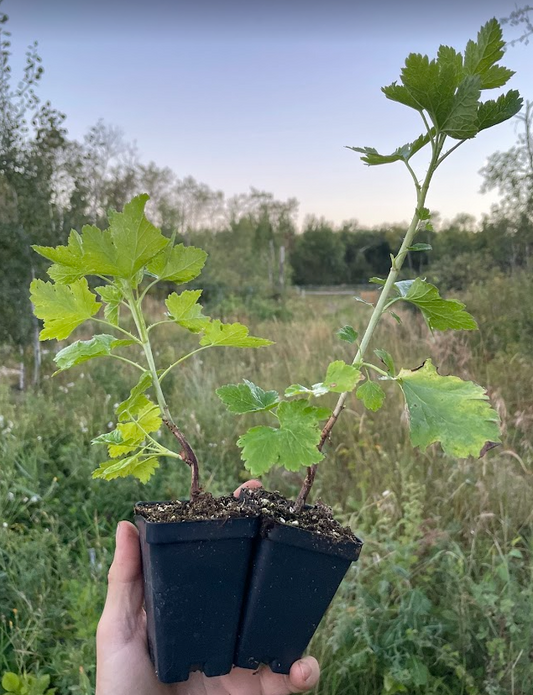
{"x":140,"y":467}
{"x":292,"y":445}
{"x":230,"y":335}
{"x":440,"y":314}
{"x":341,"y":377}
{"x":371,"y":394}
{"x":84,"y":350}
{"x":112,"y":296}
{"x":348,"y":334}
{"x":462,"y":120}
{"x":69,"y":262}
{"x":135,"y":240}
{"x":136,"y":401}
{"x":62,"y":307}
{"x":120,"y":251}
{"x":178,"y":264}
{"x":247,"y":398}
{"x":185,"y":310}
{"x":492,"y":112}
{"x":387,"y":360}
{"x":482,"y":55}
{"x":448,"y":410}
{"x":132,"y":433}
{"x":372,"y":157}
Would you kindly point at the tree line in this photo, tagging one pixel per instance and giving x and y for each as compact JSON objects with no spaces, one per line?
{"x":50,"y":183}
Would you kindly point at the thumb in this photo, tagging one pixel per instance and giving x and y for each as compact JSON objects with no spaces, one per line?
{"x":123,"y":607}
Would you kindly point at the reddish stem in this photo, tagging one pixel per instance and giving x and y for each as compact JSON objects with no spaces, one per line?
{"x":187,"y":455}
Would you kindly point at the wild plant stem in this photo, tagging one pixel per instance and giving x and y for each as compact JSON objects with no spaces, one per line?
{"x":377,"y":313}
{"x":187,"y":454}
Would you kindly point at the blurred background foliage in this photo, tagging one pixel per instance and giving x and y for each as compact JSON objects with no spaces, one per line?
{"x":441,"y":600}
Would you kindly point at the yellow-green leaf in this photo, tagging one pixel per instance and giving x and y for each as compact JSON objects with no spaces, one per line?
{"x":178,"y":264}
{"x":84,"y":350}
{"x":341,"y":377}
{"x":292,"y":445}
{"x":185,"y":310}
{"x":230,"y":335}
{"x":448,"y":410}
{"x":138,"y":466}
{"x":62,"y":307}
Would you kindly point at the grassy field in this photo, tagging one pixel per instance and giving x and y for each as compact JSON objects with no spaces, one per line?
{"x":442,"y":598}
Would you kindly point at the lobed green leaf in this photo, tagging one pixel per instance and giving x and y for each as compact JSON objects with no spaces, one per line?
{"x":440,"y":314}
{"x":461,"y":121}
{"x":136,"y":401}
{"x":372,"y":157}
{"x":120,"y":251}
{"x":178,"y":264}
{"x":448,"y":410}
{"x":482,"y":55}
{"x":84,"y":350}
{"x":113,"y":296}
{"x":247,"y":398}
{"x":221,"y":334}
{"x":492,"y":112}
{"x":62,"y":307}
{"x":138,"y":466}
{"x":186,"y":312}
{"x":348,"y":334}
{"x":371,"y":394}
{"x":341,"y":377}
{"x":292,"y":445}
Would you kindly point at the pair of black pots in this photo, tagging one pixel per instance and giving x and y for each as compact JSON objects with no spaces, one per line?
{"x":235,"y":591}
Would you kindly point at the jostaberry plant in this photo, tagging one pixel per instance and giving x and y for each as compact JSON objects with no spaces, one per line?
{"x":129,"y":258}
{"x":132,"y":256}
{"x":446,"y":93}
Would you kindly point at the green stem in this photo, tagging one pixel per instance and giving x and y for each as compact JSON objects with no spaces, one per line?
{"x":158,"y":323}
{"x":125,"y":359}
{"x":187,"y":453}
{"x":376,"y":369}
{"x":147,"y":289}
{"x":182,"y":359}
{"x":119,"y":328}
{"x":379,"y":309}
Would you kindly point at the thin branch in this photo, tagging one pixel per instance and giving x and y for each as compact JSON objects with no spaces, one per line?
{"x":450,"y":151}
{"x":182,"y":359}
{"x":147,"y":288}
{"x":376,"y":369}
{"x":411,"y":171}
{"x":125,"y":359}
{"x":118,"y":328}
{"x":158,"y":323}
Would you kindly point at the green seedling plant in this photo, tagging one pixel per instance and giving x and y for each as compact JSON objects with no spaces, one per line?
{"x":125,"y":262}
{"x":446,"y":93}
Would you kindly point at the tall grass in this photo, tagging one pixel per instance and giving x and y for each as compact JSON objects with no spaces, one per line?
{"x":441,"y":599}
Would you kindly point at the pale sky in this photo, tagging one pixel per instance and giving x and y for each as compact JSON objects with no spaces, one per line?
{"x":266,"y":93}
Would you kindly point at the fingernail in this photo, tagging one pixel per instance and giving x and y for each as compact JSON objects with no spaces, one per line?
{"x":305,"y":670}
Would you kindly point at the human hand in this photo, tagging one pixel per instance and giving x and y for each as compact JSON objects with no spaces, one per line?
{"x":123,"y":665}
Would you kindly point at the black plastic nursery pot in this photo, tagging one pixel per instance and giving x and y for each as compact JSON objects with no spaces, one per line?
{"x":295,"y":574}
{"x":194,"y":576}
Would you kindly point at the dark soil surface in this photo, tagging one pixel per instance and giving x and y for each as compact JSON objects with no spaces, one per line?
{"x":318,"y":518}
{"x":203,"y":508}
{"x":271,"y":506}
